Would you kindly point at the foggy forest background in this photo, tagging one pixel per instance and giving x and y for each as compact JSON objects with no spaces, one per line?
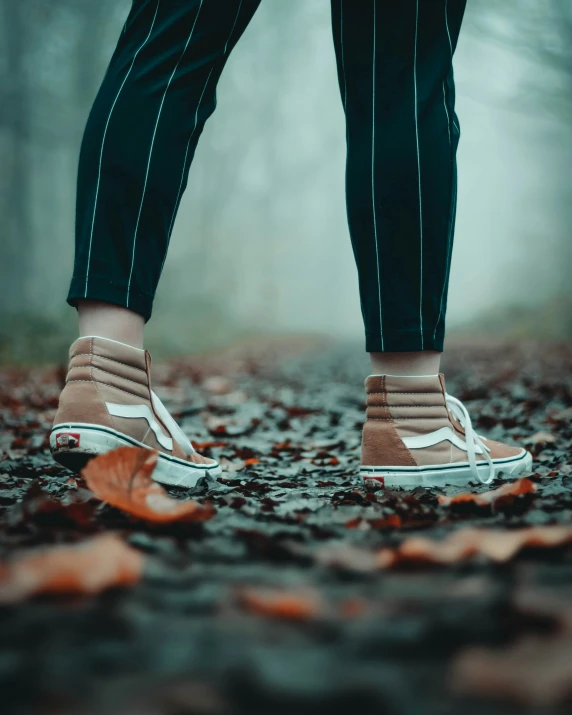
{"x":261,"y":242}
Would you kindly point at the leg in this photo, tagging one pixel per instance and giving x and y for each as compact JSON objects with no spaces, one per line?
{"x":139,"y":143}
{"x":110,"y":321}
{"x":396,"y":80}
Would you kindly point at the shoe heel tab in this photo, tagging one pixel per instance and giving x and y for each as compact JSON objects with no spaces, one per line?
{"x":374,"y":383}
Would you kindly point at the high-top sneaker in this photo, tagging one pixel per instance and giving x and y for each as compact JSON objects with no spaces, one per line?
{"x":416,"y":434}
{"x":108,"y":402}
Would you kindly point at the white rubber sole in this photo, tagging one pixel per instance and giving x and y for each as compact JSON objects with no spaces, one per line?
{"x":439,"y":475}
{"x":74,"y":444}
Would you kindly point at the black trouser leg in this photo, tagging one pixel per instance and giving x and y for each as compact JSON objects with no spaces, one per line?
{"x":396,"y":80}
{"x":140,"y":139}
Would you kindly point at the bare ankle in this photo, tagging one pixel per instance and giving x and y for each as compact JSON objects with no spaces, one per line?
{"x":426,"y":362}
{"x":110,"y":321}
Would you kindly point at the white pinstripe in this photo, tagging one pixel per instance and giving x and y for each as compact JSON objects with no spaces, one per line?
{"x":343,"y":57}
{"x":448,"y":269}
{"x":192,"y":135}
{"x":103,"y":144}
{"x":447,"y":26}
{"x":151,"y":149}
{"x":454,"y":204}
{"x":419,"y":180}
{"x":447,"y":113}
{"x":451,"y":52}
{"x":232,"y":30}
{"x":373,"y":176}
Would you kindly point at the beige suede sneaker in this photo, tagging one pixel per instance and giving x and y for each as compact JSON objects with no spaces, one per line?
{"x":416,"y":434}
{"x":108,"y":402}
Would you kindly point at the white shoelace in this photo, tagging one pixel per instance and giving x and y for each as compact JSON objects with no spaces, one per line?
{"x":176,"y":432}
{"x":475,"y":444}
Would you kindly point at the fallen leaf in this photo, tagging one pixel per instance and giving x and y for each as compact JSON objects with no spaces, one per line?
{"x":541,"y":438}
{"x":283,"y":605}
{"x":534,"y":671}
{"x":230,"y":427}
{"x":344,"y":556}
{"x":356,"y":523}
{"x":498,"y":546}
{"x":353,"y":608}
{"x":201,"y":446}
{"x":218,"y":385}
{"x":88,"y":567}
{"x":503,"y":496}
{"x":123,"y":478}
{"x":393,"y":521}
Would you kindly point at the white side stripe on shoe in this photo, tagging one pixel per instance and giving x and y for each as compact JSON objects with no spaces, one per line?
{"x":440,"y":435}
{"x":141,"y":412}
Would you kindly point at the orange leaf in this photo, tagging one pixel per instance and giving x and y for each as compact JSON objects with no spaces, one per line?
{"x":88,"y":567}
{"x":354,"y":523}
{"x":393,"y":521}
{"x":353,"y":607}
{"x":283,"y":605}
{"x":497,"y":497}
{"x":123,"y":479}
{"x":498,"y":546}
{"x":201,"y":446}
{"x":252,"y":460}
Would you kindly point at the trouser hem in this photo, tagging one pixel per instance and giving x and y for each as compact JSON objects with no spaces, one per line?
{"x":403,"y":341}
{"x":102,"y":289}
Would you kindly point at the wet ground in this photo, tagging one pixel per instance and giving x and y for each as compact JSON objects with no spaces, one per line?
{"x":281,"y":602}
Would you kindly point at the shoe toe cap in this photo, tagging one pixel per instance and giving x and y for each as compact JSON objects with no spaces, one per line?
{"x":499,"y":450}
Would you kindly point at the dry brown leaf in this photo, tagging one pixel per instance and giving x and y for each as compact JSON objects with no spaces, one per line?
{"x":342,"y":555}
{"x":283,"y":605}
{"x":534,"y":671}
{"x":217,"y":384}
{"x":498,"y":546}
{"x":353,"y":607}
{"x":123,"y":478}
{"x":88,"y":567}
{"x":503,"y":496}
{"x":393,"y":521}
{"x":541,"y":438}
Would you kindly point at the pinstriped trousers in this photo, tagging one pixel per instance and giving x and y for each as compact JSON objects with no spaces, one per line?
{"x":395,"y":70}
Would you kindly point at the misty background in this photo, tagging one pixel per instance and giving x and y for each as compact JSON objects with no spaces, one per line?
{"x":261,"y":242}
